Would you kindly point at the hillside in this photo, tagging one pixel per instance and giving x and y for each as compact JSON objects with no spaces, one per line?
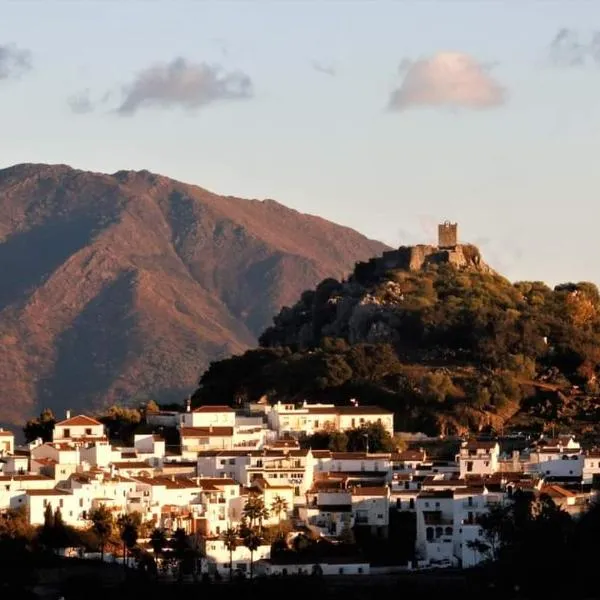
{"x":436,"y":336}
{"x":129,"y":284}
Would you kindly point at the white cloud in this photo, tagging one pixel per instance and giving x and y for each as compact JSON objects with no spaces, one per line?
{"x":14,"y":61}
{"x":184,"y":84}
{"x":447,"y":79}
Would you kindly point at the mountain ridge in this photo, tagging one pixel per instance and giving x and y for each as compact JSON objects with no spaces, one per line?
{"x":139,"y":281}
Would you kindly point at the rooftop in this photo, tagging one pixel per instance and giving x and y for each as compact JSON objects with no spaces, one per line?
{"x":78,"y":420}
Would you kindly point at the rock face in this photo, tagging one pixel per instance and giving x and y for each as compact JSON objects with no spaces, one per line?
{"x":415,"y":258}
{"x":127,"y":285}
{"x":364,"y":307}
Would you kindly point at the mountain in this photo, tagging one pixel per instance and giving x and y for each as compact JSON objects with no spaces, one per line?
{"x":437,"y":336}
{"x":128,"y":285}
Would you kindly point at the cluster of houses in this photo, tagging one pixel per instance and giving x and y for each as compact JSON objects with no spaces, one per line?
{"x":224,"y":456}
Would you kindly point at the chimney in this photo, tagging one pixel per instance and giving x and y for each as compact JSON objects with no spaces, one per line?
{"x":67,"y":414}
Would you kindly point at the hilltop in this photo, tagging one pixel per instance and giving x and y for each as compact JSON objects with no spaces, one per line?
{"x":436,"y":335}
{"x":131,"y":283}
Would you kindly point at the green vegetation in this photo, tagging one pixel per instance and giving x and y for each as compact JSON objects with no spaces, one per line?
{"x":445,"y":349}
{"x":371,"y":436}
{"x":533,"y":546}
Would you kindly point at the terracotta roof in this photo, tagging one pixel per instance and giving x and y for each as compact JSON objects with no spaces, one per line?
{"x":363,"y":410}
{"x":381,"y":491}
{"x":131,"y":464}
{"x":480,"y":444}
{"x":26,"y":477}
{"x":213,"y":409}
{"x":79,"y":420}
{"x":198,"y":432}
{"x":52,"y":492}
{"x":436,"y":494}
{"x":6,"y":433}
{"x":556,"y":491}
{"x":359,"y":456}
{"x":335,"y":507}
{"x":409,"y":455}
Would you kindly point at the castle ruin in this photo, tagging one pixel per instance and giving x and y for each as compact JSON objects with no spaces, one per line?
{"x":447,"y":235}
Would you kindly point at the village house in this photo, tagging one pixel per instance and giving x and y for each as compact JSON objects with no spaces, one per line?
{"x":328,"y":509}
{"x":371,"y":508}
{"x":81,"y":429}
{"x":557,"y":459}
{"x":307,"y":419}
{"x":282,"y":467}
{"x":7,"y":443}
{"x":208,"y":416}
{"x":478,"y":457}
{"x":197,"y":439}
{"x":216,"y":557}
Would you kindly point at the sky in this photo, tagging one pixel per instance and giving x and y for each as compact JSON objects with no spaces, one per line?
{"x":387,"y":117}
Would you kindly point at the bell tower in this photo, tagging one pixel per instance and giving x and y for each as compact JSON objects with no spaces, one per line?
{"x":447,"y":235}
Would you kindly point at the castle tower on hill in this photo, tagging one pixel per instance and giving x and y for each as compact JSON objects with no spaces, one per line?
{"x":447,"y":235}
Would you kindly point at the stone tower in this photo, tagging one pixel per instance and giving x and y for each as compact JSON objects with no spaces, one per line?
{"x":447,"y":234}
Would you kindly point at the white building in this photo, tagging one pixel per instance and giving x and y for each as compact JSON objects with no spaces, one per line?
{"x":197,"y":439}
{"x":307,"y":419}
{"x":7,"y":443}
{"x":80,"y":428}
{"x":208,"y":416}
{"x":478,"y":458}
{"x":217,"y":557}
{"x":371,"y":508}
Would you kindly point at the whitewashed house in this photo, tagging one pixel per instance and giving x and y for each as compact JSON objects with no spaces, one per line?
{"x":7,"y":443}
{"x":217,"y":556}
{"x":291,"y":420}
{"x":478,"y":458}
{"x":80,"y":428}
{"x":371,"y":508}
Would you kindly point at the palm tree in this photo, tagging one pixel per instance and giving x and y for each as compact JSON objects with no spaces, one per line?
{"x":181,"y":549}
{"x":102,"y":526}
{"x":158,"y":541}
{"x":252,"y":542}
{"x":128,"y":531}
{"x":279,"y":506}
{"x":230,"y":538}
{"x":255,"y":511}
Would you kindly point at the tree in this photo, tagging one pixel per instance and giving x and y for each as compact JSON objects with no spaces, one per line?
{"x":255,"y":511}
{"x":102,"y":526}
{"x":41,"y":427}
{"x":279,"y":506}
{"x":182,"y":551}
{"x":252,"y":541}
{"x":158,"y":541}
{"x":128,"y":525}
{"x":62,"y":533}
{"x":377,"y":436}
{"x":47,"y":531}
{"x":152,"y":407}
{"x":230,"y":538}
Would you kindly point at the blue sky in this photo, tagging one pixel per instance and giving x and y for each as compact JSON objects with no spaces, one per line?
{"x":300,"y":111}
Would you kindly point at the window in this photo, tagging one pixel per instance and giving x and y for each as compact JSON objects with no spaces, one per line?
{"x":437,"y":504}
{"x":61,"y":502}
{"x":66,"y":433}
{"x":80,"y":502}
{"x":88,"y":431}
{"x":341,"y":571}
{"x":45,"y":502}
{"x":487,"y":463}
{"x":411,"y":503}
{"x":317,"y":424}
{"x":426,"y":504}
{"x":469,"y":466}
{"x":380,"y":516}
